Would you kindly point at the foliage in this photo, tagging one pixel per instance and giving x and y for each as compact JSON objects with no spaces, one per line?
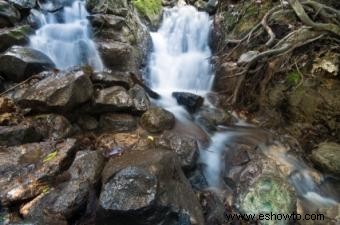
{"x":293,"y":78}
{"x":149,"y":8}
{"x":50,"y":156}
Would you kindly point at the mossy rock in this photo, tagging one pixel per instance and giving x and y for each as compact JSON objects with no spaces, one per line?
{"x":269,"y":194}
{"x":151,"y":10}
{"x":327,"y":157}
{"x":293,"y":78}
{"x":14,"y":36}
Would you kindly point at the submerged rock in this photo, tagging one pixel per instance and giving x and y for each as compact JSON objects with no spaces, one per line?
{"x":327,"y":157}
{"x":156,"y":177}
{"x":18,"y":63}
{"x":190,"y":101}
{"x":14,"y":36}
{"x":156,"y":120}
{"x":60,"y":92}
{"x":9,"y":15}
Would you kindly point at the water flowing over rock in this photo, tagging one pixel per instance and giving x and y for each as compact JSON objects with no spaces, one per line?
{"x":190,"y":101}
{"x":18,"y":63}
{"x":8,"y":14}
{"x":64,"y":36}
{"x":24,"y":4}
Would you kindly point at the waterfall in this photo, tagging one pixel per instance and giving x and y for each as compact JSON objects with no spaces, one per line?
{"x":64,"y":36}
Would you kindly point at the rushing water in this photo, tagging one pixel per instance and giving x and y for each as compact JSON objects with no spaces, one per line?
{"x":180,"y":62}
{"x":64,"y":37}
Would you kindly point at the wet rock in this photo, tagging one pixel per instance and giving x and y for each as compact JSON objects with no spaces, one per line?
{"x":114,"y":99}
{"x":327,"y":157}
{"x":166,"y":202}
{"x":18,"y":63}
{"x":14,"y":36}
{"x":140,"y":99}
{"x":59,"y":92}
{"x":184,"y":146}
{"x":191,"y":102}
{"x":19,"y":134}
{"x":28,"y":169}
{"x":117,"y":122}
{"x":210,"y":118}
{"x":24,"y":4}
{"x":113,"y":78}
{"x":269,"y":194}
{"x":107,"y":21}
{"x":9,"y":15}
{"x":52,"y":6}
{"x":156,"y":120}
{"x":51,"y":126}
{"x":58,"y":204}
{"x":151,"y":11}
{"x":87,"y":122}
{"x":115,"y":7}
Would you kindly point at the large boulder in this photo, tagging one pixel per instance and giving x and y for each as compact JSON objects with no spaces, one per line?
{"x":9,"y":15}
{"x":116,"y":7}
{"x":210,"y":118}
{"x":327,"y":157}
{"x":156,"y":120}
{"x":140,"y":99}
{"x":191,"y":102}
{"x":117,"y":122}
{"x":146,"y":187}
{"x":60,"y":92}
{"x":18,"y":63}
{"x":112,"y":78}
{"x":19,"y":134}
{"x":24,"y":4}
{"x":14,"y":36}
{"x":27,"y":170}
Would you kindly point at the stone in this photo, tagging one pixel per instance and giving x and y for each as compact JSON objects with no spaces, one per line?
{"x":211,"y":118}
{"x":59,"y":92}
{"x":170,"y":200}
{"x":51,"y":126}
{"x":113,"y":99}
{"x":107,"y":21}
{"x":9,"y":15}
{"x":18,"y":134}
{"x":24,"y":4}
{"x":150,"y":10}
{"x":185,"y":147}
{"x":52,"y":6}
{"x":140,"y":99}
{"x":327,"y":157}
{"x":87,"y":122}
{"x":115,"y":7}
{"x":6,"y":105}
{"x":113,"y":78}
{"x":156,"y":120}
{"x":14,"y":36}
{"x":18,"y":63}
{"x":117,"y":122}
{"x":27,"y":170}
{"x":191,"y":102}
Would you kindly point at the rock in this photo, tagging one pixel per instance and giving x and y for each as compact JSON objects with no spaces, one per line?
{"x":19,"y":134}
{"x":52,"y":6}
{"x":140,"y":99}
{"x":117,"y":55}
{"x":191,"y":102}
{"x":115,"y":7}
{"x":156,"y":120}
{"x":59,"y":92}
{"x":107,"y":21}
{"x":327,"y":157}
{"x":150,"y":10}
{"x":210,"y":118}
{"x":28,"y":169}
{"x":24,"y":4}
{"x":6,"y":105}
{"x":51,"y":126}
{"x":87,"y":166}
{"x":18,"y":63}
{"x":14,"y":36}
{"x":117,"y":122}
{"x":185,"y":147}
{"x":268,"y":194}
{"x":131,"y":189}
{"x":9,"y":15}
{"x":58,"y":204}
{"x":113,"y":99}
{"x":87,"y":122}
{"x":170,"y":200}
{"x":113,"y":78}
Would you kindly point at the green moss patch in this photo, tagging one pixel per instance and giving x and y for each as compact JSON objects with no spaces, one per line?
{"x":151,"y":9}
{"x":293,"y":78}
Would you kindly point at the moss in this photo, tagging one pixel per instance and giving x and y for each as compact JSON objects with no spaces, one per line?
{"x":269,"y":195}
{"x":293,"y":78}
{"x":151,"y":9}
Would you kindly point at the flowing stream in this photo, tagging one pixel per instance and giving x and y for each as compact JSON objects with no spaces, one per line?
{"x":64,"y":36}
{"x":180,"y":61}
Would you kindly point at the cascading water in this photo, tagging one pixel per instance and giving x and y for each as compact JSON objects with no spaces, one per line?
{"x":180,"y":62}
{"x":64,"y":37}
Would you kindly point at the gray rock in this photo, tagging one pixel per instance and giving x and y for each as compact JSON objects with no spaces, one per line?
{"x":210,"y":118}
{"x":173,"y":194}
{"x":14,"y":36}
{"x":327,"y":157}
{"x":19,"y":134}
{"x":191,"y":102}
{"x":27,"y":170}
{"x":9,"y":15}
{"x":107,"y":21}
{"x":140,"y":99}
{"x":59,"y":92}
{"x":113,"y":78}
{"x":117,"y":122}
{"x":87,"y":122}
{"x":156,"y":120}
{"x":24,"y":4}
{"x":18,"y":63}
